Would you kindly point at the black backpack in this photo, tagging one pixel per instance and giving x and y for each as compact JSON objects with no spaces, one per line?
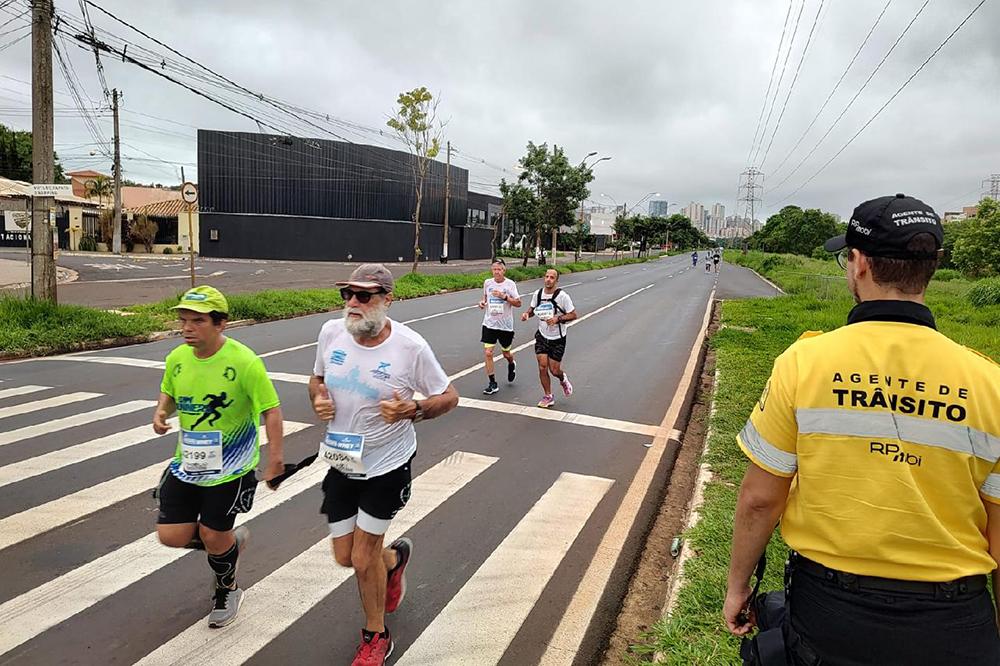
{"x":558,"y":310}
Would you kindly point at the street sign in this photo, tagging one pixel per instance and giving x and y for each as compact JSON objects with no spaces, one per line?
{"x":51,"y":190}
{"x":189,"y":192}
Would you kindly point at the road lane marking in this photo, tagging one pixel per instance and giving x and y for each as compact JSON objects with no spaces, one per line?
{"x":564,"y":417}
{"x":494,"y":603}
{"x":151,"y":279}
{"x":48,"y":403}
{"x":41,"y":608}
{"x":55,"y":425}
{"x":603,"y":277}
{"x":71,"y":455}
{"x":568,"y":636}
{"x":22,"y":390}
{"x":68,"y":508}
{"x":287,"y":593}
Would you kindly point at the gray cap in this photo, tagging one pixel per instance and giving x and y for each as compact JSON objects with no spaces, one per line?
{"x":370,"y":276}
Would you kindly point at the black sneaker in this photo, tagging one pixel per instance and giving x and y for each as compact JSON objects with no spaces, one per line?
{"x":511,"y":371}
{"x":491,"y":388}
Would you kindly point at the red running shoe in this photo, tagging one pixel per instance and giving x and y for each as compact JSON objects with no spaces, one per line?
{"x":373,"y":652}
{"x":395,"y":589}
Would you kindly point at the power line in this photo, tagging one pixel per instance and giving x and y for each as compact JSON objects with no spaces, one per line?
{"x":889,"y":101}
{"x":791,"y":87}
{"x":781,"y":76}
{"x":856,"y":95}
{"x":770,"y":80}
{"x":835,"y":87}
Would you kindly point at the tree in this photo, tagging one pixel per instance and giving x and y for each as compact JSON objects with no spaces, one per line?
{"x":15,"y":156}
{"x":143,"y":230}
{"x":558,"y":186}
{"x":520,"y":204}
{"x":795,"y":231}
{"x":977,"y":247}
{"x":100,"y":187}
{"x":415,"y":123}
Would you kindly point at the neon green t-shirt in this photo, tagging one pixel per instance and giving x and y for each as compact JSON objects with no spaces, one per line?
{"x":219,"y":402}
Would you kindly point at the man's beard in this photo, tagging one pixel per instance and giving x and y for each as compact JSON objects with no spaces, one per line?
{"x":369,"y":325}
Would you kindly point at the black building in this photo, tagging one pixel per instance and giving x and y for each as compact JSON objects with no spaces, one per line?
{"x":277,"y":197}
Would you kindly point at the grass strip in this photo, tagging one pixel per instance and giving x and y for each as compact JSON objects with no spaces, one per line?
{"x":30,"y":327}
{"x":752,"y":334}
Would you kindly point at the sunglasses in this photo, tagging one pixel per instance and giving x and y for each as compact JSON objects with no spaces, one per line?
{"x":362,"y":296}
{"x":843,"y":257}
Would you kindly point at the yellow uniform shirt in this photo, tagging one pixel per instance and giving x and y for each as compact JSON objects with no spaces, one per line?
{"x":892,"y":434}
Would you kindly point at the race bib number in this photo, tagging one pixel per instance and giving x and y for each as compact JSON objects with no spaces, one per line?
{"x":545,"y":310}
{"x":344,"y":452}
{"x":496,"y":305}
{"x":201,"y":452}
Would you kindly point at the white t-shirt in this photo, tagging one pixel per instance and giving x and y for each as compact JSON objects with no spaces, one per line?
{"x":359,"y":377}
{"x":545,"y":310}
{"x":499,"y":314}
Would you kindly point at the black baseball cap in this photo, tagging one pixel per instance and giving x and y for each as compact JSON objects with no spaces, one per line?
{"x":883,"y":227}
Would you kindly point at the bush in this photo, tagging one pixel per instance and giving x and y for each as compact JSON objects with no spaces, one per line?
{"x":167,"y":250}
{"x":88,"y":244}
{"x":985,"y":292}
{"x":143,"y":230}
{"x":947,"y":275}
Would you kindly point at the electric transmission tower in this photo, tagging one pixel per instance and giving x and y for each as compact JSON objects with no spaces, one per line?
{"x":748,"y":198}
{"x":991,"y":187}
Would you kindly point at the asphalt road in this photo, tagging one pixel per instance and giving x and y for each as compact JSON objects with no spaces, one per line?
{"x":524,"y":520}
{"x":106,"y":281}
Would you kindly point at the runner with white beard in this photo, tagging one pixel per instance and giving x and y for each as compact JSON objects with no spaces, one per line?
{"x":368,"y":371}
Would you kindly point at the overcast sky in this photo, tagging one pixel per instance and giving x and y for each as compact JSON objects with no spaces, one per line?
{"x":672,"y":91}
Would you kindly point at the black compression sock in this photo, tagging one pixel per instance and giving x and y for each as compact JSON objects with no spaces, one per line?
{"x":493,"y":379}
{"x":224,"y":566}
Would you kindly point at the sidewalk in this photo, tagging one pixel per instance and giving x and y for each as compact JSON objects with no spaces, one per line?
{"x":17,"y":274}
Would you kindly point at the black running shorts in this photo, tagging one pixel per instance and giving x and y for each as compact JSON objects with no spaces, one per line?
{"x":491,"y":336}
{"x":554,"y":349}
{"x":366,"y":503}
{"x":214,"y":507}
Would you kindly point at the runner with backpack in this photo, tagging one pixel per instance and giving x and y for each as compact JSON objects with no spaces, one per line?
{"x":554,"y":308}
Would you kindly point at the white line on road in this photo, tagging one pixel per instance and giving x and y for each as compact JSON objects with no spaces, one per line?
{"x":56,"y":401}
{"x":22,"y":390}
{"x":603,"y":277}
{"x":71,"y":455}
{"x":289,"y":349}
{"x":41,"y":608}
{"x":494,"y":603}
{"x":55,"y":425}
{"x":68,"y":508}
{"x":564,"y":417}
{"x":568,"y":636}
{"x":288,"y":592}
{"x":151,"y":279}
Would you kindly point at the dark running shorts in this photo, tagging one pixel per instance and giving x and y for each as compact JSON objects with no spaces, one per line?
{"x":554,"y":349}
{"x":491,"y":336}
{"x":214,"y":507}
{"x":367,"y":503}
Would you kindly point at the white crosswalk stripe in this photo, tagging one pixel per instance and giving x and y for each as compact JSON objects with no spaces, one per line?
{"x":55,"y":425}
{"x":48,"y":403}
{"x":21,"y":390}
{"x":69,"y":508}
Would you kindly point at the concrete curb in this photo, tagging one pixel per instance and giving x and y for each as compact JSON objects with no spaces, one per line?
{"x":773,"y":286}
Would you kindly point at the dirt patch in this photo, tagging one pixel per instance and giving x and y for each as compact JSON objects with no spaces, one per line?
{"x":649,"y":586}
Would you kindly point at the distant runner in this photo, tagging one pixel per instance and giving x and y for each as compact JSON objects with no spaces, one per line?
{"x":554,"y":308}
{"x":499,"y":300}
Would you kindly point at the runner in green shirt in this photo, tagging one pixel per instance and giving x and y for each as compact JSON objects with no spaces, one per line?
{"x":220,"y":389}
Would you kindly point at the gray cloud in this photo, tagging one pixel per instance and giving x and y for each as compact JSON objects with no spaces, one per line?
{"x":672,"y":91}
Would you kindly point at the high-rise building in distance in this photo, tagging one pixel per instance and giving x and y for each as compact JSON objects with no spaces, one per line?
{"x":658,"y":208}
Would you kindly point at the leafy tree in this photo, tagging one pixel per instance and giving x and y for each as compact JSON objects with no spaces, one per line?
{"x":15,"y":156}
{"x":558,"y":186}
{"x":143,"y":230}
{"x":977,"y":247}
{"x":521,"y":204}
{"x":795,"y":231}
{"x":101,"y":187}
{"x":415,"y":123}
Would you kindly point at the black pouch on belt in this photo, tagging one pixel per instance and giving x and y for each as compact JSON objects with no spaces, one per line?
{"x":767,"y":646}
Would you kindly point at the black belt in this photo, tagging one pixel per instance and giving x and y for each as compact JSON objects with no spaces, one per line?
{"x":954,"y":589}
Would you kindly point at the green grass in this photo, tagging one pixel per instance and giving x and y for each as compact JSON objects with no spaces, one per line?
{"x":29,"y":327}
{"x":39,"y":327}
{"x":754,"y":332}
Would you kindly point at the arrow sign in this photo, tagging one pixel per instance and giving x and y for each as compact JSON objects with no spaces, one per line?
{"x":189,"y":193}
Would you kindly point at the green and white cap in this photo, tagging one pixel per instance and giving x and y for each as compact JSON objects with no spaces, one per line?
{"x":203,"y":299}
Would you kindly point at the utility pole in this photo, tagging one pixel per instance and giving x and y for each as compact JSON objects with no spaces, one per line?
{"x":447,"y":204}
{"x":43,"y":265}
{"x":116,"y":240}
